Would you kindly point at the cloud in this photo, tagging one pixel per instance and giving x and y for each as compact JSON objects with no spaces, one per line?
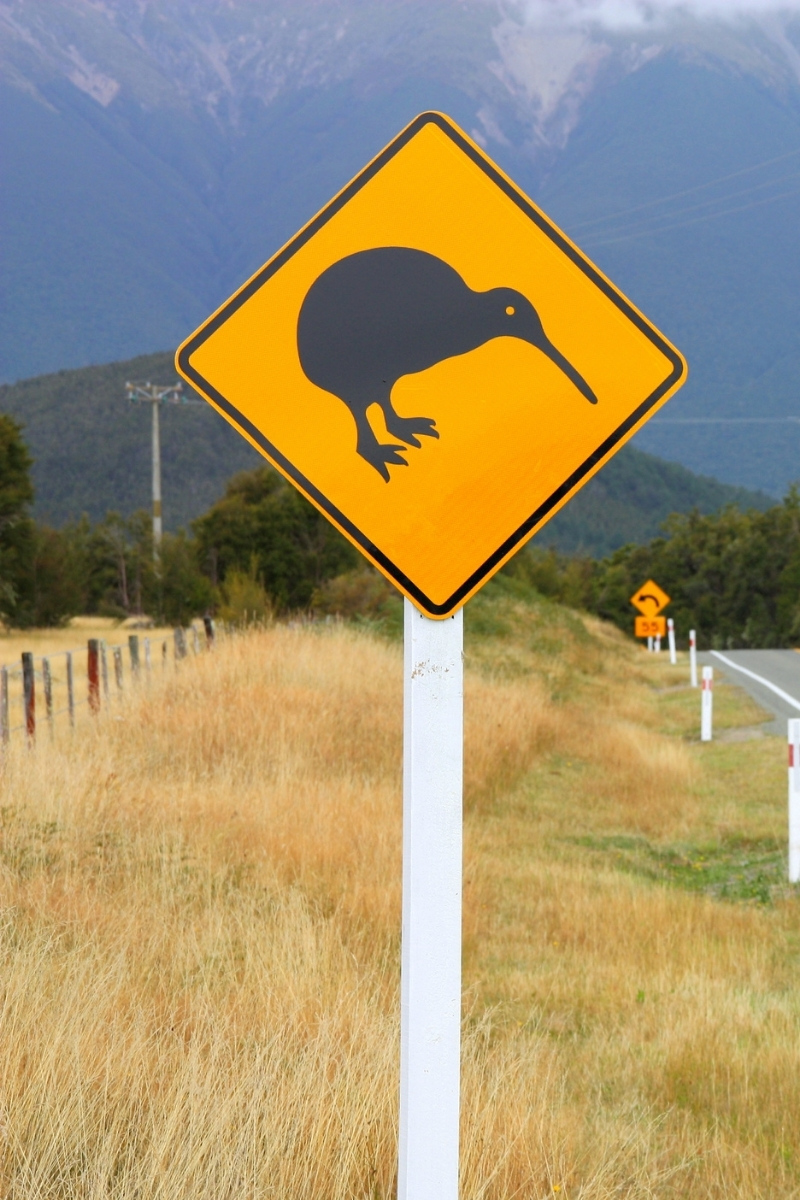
{"x":646,"y":14}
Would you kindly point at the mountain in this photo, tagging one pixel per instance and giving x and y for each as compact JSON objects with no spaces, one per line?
{"x":156,"y":153}
{"x":91,"y":451}
{"x":629,"y":500}
{"x":92,"y":447}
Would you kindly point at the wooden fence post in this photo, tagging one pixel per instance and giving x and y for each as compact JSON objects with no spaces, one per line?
{"x":47,"y":680}
{"x":133,"y":646}
{"x":104,"y":670}
{"x":180,"y":644}
{"x":29,"y":694}
{"x":164,"y":655}
{"x":118,"y":668}
{"x":70,"y":691}
{"x":195,"y":640}
{"x":208,"y":625}
{"x":4,"y":724}
{"x":93,"y":672}
{"x":147,"y":657}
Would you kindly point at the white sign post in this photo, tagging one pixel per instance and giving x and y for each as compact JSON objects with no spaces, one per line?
{"x":794,"y":800}
{"x":693,"y":657}
{"x":706,"y":704}
{"x":650,"y":644}
{"x":430,"y":991}
{"x":657,"y":646}
{"x":673,"y":658}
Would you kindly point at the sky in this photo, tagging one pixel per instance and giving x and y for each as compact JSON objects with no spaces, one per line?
{"x":641,"y":14}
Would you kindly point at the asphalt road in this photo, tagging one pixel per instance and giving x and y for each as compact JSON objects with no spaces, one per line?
{"x":777,"y":686}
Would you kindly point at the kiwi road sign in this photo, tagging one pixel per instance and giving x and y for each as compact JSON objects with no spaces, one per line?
{"x":438,"y":368}
{"x":434,"y":364}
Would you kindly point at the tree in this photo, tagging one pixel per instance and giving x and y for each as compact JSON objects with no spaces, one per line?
{"x":56,"y":580}
{"x":120,"y":575}
{"x":16,"y":527}
{"x":263,"y":524}
{"x":181,"y":590}
{"x":16,"y":489}
{"x":733,"y":576}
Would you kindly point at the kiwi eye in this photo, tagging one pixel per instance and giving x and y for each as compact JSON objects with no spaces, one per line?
{"x":511,"y":310}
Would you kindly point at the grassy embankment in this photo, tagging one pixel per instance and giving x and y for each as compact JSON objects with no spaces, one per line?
{"x":200,"y":934}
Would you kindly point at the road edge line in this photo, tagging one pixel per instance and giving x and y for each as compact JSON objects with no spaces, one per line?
{"x":759,"y":679}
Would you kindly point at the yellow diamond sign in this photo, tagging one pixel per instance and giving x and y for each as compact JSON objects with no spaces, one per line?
{"x":434,"y":364}
{"x":649,"y":599}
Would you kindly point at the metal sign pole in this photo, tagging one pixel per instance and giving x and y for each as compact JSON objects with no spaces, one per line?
{"x":430,"y":1006}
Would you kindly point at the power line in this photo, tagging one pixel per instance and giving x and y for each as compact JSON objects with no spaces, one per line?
{"x":626,"y":212}
{"x":625,"y":237}
{"x":679,"y":212}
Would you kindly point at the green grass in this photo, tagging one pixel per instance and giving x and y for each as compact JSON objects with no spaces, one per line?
{"x":735,"y":868}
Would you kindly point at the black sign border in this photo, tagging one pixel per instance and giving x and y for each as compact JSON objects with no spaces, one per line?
{"x":241,"y":297}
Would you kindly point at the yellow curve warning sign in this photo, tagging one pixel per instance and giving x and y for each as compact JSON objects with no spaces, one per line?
{"x":649,"y":599}
{"x":434,"y":364}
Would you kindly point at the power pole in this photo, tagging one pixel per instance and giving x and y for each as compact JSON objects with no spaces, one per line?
{"x":155,"y":396}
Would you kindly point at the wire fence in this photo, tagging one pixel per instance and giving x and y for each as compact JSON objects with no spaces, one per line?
{"x":47,"y":689}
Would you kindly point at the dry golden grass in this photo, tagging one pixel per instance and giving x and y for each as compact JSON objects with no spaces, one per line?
{"x":200,"y":931}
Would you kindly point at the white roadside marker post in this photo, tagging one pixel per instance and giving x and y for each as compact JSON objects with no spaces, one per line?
{"x":657,"y":646}
{"x":650,"y":644}
{"x":794,"y":800}
{"x":706,"y":704}
{"x":673,"y":658}
{"x":693,"y":657}
{"x":430,"y":992}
